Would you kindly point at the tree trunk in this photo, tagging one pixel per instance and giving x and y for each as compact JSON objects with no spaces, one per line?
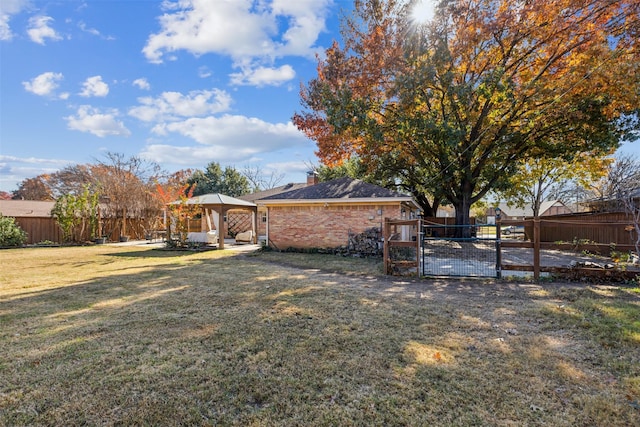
{"x":123,"y":231}
{"x":463,"y":215}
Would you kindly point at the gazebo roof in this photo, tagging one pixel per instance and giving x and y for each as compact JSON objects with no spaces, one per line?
{"x":217,"y":199}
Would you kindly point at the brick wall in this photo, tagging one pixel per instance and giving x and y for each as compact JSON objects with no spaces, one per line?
{"x":323,"y":227}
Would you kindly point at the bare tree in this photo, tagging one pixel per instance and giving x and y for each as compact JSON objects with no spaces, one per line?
{"x":631,"y":204}
{"x":261,"y":179}
{"x":619,"y":189}
{"x":622,"y":177}
{"x":127,"y":187}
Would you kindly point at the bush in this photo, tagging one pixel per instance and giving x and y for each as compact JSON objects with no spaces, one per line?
{"x":10,"y":233}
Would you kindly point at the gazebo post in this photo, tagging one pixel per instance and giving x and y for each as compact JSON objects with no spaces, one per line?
{"x":221,"y":232}
{"x":254,"y":214}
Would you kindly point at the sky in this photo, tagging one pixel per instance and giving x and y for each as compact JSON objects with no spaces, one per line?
{"x":182,"y":83}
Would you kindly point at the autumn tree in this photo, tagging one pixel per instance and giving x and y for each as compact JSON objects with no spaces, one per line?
{"x":72,"y":179}
{"x":174,"y":194}
{"x":127,"y":186}
{"x":4,"y":195}
{"x":452,"y":105}
{"x":36,"y":188}
{"x":537,"y":179}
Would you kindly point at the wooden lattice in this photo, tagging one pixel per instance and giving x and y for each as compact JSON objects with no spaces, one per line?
{"x":238,"y":222}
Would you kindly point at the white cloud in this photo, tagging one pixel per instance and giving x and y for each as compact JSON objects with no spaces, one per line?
{"x":44,"y":85}
{"x":8,"y":8}
{"x":263,"y":76}
{"x":142,"y":83}
{"x":91,"y":120}
{"x":306,"y":22}
{"x":162,"y":153}
{"x":39,"y":29}
{"x":86,"y":29}
{"x":32,"y":160}
{"x":230,"y":138}
{"x":204,"y":72}
{"x":248,"y":32}
{"x":294,"y":166}
{"x":174,"y":105}
{"x":94,"y":86}
{"x":201,"y":26}
{"x":14,"y":170}
{"x":93,"y":31}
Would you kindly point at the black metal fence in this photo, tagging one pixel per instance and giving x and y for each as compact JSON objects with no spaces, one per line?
{"x":460,"y":250}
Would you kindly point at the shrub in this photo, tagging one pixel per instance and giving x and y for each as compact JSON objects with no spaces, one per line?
{"x":10,"y":233}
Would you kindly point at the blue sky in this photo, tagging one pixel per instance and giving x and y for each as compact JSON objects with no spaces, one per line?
{"x":182,"y":83}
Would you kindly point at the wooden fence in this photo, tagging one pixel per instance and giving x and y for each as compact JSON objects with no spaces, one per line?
{"x":40,"y":229}
{"x":601,"y":228}
{"x":533,"y":233}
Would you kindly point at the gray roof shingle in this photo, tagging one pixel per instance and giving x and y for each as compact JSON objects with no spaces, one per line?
{"x":259,"y":195}
{"x":340,"y":188}
{"x":26,"y":208}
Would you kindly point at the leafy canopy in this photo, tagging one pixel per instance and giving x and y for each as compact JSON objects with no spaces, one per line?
{"x":214,"y":180}
{"x":449,"y":108}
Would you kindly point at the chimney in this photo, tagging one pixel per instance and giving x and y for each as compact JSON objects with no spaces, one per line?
{"x":312,"y":178}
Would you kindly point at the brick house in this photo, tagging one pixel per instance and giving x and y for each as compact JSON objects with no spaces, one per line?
{"x":235,"y":216}
{"x":323,"y":215}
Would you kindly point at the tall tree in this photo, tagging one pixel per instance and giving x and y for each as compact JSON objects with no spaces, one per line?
{"x":456,"y":103}
{"x":127,"y":187}
{"x":72,"y":179}
{"x":215,"y":180}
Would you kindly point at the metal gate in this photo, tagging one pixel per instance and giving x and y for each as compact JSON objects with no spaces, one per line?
{"x":460,"y":250}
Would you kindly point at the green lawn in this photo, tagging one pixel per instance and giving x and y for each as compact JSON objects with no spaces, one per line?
{"x":109,"y":335}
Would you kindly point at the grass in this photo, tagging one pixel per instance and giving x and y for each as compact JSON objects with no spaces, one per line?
{"x":110,"y":335}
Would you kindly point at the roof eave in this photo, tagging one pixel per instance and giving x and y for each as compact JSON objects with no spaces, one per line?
{"x":367,"y":200}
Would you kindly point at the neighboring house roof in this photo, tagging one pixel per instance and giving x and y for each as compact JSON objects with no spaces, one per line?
{"x":514,"y":211}
{"x":611,"y":203}
{"x":272,"y":191}
{"x":340,"y":189}
{"x":26,"y":208}
{"x":634,"y":194}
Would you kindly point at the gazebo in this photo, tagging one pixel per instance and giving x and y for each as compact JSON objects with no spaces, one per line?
{"x":220,"y":204}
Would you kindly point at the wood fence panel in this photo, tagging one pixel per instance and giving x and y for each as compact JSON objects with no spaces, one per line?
{"x":605,"y":228}
{"x":40,"y":229}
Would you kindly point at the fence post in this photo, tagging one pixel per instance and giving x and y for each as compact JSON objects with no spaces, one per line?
{"x":385,"y":245}
{"x":498,"y":245}
{"x":536,"y":248}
